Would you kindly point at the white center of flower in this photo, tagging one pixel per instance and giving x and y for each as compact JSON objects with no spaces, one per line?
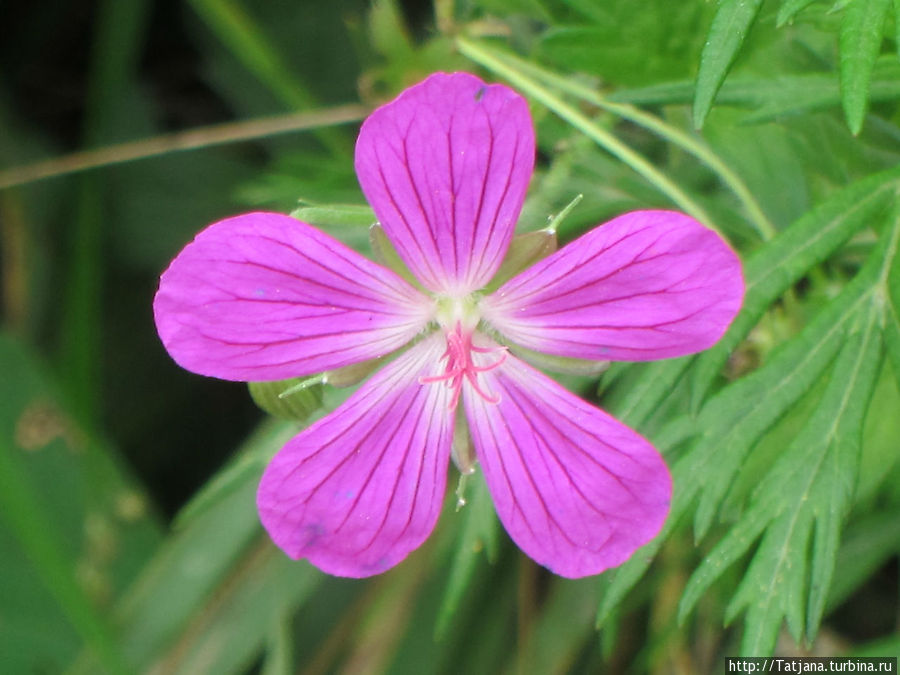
{"x":458,"y":318}
{"x":453,"y":311}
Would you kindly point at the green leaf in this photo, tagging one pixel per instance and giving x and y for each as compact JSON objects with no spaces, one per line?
{"x":561,"y":365}
{"x":280,"y":649}
{"x":232,"y":629}
{"x":841,"y":415}
{"x":562,"y":627}
{"x":735,"y":418}
{"x":772,"y":97}
{"x":861,"y":35}
{"x":246,"y":466}
{"x":789,"y":9}
{"x":247,"y":40}
{"x":891,"y":300}
{"x":388,"y":31}
{"x":726,"y":35}
{"x":74,"y":530}
{"x":174,"y":600}
{"x":478,"y":535}
{"x":775,"y":267}
{"x":867,"y":545}
{"x":643,"y":389}
{"x":808,"y":491}
{"x":897,"y":25}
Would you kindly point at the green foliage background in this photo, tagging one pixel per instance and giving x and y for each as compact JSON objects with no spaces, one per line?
{"x":129,"y":540}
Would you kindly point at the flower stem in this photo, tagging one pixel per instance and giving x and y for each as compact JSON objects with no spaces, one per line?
{"x":601,"y":136}
{"x":761,"y":223}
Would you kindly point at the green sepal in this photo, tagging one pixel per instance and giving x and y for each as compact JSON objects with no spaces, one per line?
{"x":330,"y":215}
{"x":294,"y":399}
{"x":352,"y":374}
{"x":462,"y":452}
{"x":527,"y":249}
{"x":524,"y":250}
{"x":387,"y":255}
{"x":562,"y":365}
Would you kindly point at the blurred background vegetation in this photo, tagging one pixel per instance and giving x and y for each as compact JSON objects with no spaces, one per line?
{"x":129,"y":540}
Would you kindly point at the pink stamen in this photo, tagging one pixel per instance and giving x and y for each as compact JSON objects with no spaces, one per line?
{"x":460,"y":367}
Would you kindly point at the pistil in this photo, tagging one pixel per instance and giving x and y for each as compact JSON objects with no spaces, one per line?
{"x":460,"y":366}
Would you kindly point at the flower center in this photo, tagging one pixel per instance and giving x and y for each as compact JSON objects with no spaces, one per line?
{"x":460,"y":367}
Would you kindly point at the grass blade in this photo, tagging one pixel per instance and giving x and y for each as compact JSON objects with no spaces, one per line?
{"x":598,"y":134}
{"x":247,"y":41}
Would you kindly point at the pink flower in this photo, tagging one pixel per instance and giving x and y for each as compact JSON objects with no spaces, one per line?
{"x":445,"y":166}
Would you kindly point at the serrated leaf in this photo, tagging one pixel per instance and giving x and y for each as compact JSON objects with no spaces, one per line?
{"x":772,"y":97}
{"x":738,"y":416}
{"x":807,"y":491}
{"x":861,"y":35}
{"x":726,"y":35}
{"x":775,"y":267}
{"x":891,"y":300}
{"x":732,"y":422}
{"x":643,"y":389}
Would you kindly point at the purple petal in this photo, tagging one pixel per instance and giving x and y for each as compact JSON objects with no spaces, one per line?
{"x":263,"y":296}
{"x":577,"y":490}
{"x":646,"y":285}
{"x":358,"y":490}
{"x":445,"y":166}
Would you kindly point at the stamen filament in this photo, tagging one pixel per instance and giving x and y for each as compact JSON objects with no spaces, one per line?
{"x":460,"y":367}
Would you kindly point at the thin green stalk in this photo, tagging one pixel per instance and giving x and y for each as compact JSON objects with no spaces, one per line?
{"x":22,"y":511}
{"x":700,"y":150}
{"x":249,"y":44}
{"x":601,"y":136}
{"x":117,"y":44}
{"x":198,"y":138}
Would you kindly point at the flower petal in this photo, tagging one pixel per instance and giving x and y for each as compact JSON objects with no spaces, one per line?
{"x":263,"y":296}
{"x":358,"y":490}
{"x":646,"y":285}
{"x":577,"y":490}
{"x":445,"y":166}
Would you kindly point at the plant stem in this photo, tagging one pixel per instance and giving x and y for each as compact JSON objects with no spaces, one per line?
{"x":601,"y":136}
